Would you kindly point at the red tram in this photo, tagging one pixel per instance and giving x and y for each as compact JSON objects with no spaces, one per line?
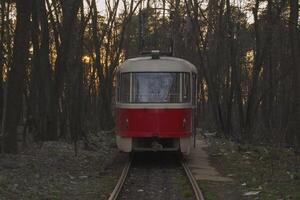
{"x":155,"y":104}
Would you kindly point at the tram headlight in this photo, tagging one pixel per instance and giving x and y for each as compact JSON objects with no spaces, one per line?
{"x":184,"y":123}
{"x":126,"y":123}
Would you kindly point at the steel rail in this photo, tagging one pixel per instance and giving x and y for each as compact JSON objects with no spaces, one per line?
{"x":193,"y":182}
{"x":115,"y":193}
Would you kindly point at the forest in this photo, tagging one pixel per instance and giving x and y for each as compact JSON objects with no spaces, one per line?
{"x":58,"y":60}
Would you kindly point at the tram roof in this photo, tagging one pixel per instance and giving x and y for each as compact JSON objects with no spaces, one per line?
{"x":163,"y":64}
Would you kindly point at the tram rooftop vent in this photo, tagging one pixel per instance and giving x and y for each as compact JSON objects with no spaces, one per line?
{"x":155,"y":54}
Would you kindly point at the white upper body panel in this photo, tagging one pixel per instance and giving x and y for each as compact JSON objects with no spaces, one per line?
{"x":163,"y":64}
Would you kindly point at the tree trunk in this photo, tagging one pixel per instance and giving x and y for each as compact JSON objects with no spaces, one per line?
{"x":176,"y":29}
{"x":2,"y":58}
{"x":42,"y":102}
{"x":16,"y":76}
{"x":65,"y":58}
{"x":253,"y":91}
{"x":232,"y":66}
{"x":294,"y":125}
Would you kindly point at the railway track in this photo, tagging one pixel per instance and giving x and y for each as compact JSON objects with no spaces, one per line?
{"x":115,"y":193}
{"x":118,"y":188}
{"x":193,"y":182}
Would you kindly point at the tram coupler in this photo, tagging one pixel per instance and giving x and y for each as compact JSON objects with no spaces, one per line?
{"x":156,"y":146}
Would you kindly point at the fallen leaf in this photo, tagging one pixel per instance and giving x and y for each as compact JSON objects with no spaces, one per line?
{"x":82,"y":177}
{"x":251,"y":193}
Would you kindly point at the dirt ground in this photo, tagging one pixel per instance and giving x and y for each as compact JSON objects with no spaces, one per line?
{"x":259,"y":172}
{"x":52,"y":171}
{"x":214,"y":185}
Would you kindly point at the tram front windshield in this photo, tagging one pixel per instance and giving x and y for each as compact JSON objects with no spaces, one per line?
{"x":154,"y":87}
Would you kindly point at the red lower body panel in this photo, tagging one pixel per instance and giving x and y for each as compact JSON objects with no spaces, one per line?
{"x":149,"y":122}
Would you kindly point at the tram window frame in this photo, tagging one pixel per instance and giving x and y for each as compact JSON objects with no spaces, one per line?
{"x":194,"y":89}
{"x":117,"y":97}
{"x":186,"y":88}
{"x":122,"y":80}
{"x":184,"y":95}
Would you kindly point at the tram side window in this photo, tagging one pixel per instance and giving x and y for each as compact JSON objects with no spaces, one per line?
{"x":117,"y":87}
{"x":174,"y":93}
{"x":186,"y":87}
{"x":125,"y":88}
{"x":194,"y":92}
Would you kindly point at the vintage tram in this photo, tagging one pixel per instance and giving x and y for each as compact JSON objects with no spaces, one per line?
{"x":155,"y":104}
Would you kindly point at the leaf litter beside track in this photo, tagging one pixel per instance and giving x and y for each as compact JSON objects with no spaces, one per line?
{"x":259,"y":172}
{"x":51,"y":171}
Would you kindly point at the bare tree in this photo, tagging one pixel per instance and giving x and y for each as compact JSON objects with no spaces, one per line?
{"x":16,"y":76}
{"x":295,"y":50}
{"x":2,"y":49}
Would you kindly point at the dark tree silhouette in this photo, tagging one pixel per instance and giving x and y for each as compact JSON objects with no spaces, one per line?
{"x":16,"y":76}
